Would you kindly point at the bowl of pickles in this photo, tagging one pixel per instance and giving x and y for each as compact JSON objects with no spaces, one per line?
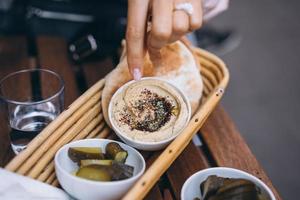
{"x":98,"y":168}
{"x":222,"y":183}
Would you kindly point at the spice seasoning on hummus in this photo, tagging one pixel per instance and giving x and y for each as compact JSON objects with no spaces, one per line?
{"x":149,"y":110}
{"x":152,"y":112}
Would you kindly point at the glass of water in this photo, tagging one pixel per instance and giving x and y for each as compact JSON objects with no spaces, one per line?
{"x":30,"y":100}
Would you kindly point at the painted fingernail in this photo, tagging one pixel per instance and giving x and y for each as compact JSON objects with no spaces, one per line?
{"x":137,"y":75}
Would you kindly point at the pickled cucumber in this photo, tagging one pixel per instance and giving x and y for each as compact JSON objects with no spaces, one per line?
{"x":95,"y":162}
{"x":120,"y":171}
{"x":116,"y":152}
{"x":219,"y":188}
{"x":115,"y":172}
{"x":97,"y":166}
{"x":95,"y":173}
{"x":76,"y":154}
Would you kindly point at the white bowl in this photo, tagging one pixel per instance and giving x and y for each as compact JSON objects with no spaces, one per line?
{"x":87,"y":189}
{"x":142,"y":145}
{"x":191,"y":187}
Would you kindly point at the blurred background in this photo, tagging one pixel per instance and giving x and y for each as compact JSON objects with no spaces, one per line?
{"x":264,"y":91}
{"x":258,"y":40}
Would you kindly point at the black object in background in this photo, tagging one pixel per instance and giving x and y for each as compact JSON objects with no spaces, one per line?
{"x":12,"y":16}
{"x":93,"y":28}
{"x":100,"y":40}
{"x":68,"y":18}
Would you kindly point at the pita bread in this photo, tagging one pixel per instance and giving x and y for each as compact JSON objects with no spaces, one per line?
{"x":177,"y":66}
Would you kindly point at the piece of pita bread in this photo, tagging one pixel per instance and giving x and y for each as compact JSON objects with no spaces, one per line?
{"x":177,"y":66}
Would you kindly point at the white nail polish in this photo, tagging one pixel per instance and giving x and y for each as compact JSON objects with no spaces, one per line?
{"x":137,"y":74}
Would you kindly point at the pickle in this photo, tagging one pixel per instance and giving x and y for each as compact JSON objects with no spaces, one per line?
{"x":94,"y":172}
{"x":114,"y":172}
{"x":84,"y":163}
{"x":97,"y":166}
{"x":219,"y":188}
{"x":121,"y":171}
{"x":76,"y":154}
{"x":116,"y":152}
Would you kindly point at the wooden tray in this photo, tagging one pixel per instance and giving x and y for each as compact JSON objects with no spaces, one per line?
{"x":84,"y":119}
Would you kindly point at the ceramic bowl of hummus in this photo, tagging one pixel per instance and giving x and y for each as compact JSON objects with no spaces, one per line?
{"x":148,"y":114}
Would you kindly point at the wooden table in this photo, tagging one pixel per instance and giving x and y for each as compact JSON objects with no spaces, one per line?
{"x":222,"y":143}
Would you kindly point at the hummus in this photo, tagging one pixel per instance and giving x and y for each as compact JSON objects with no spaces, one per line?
{"x":149,"y":110}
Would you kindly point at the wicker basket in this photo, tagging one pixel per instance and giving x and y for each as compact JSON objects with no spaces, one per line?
{"x":84,"y":119}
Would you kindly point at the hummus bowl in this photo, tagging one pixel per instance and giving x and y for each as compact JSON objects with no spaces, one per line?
{"x":148,"y":114}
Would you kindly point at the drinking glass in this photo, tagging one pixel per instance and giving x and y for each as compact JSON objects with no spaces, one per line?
{"x":30,"y":100}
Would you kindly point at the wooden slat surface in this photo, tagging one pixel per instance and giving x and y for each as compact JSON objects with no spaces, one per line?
{"x":228,"y":148}
{"x":93,"y":71}
{"x":52,"y":54}
{"x":13,"y":54}
{"x":167,"y":195}
{"x":189,"y":162}
{"x":154,"y":194}
{"x":13,"y":57}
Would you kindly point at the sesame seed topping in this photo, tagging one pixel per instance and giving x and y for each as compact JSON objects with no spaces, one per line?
{"x":149,"y":112}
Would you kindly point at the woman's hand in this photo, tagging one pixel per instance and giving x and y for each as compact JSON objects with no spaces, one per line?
{"x":168,"y":24}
